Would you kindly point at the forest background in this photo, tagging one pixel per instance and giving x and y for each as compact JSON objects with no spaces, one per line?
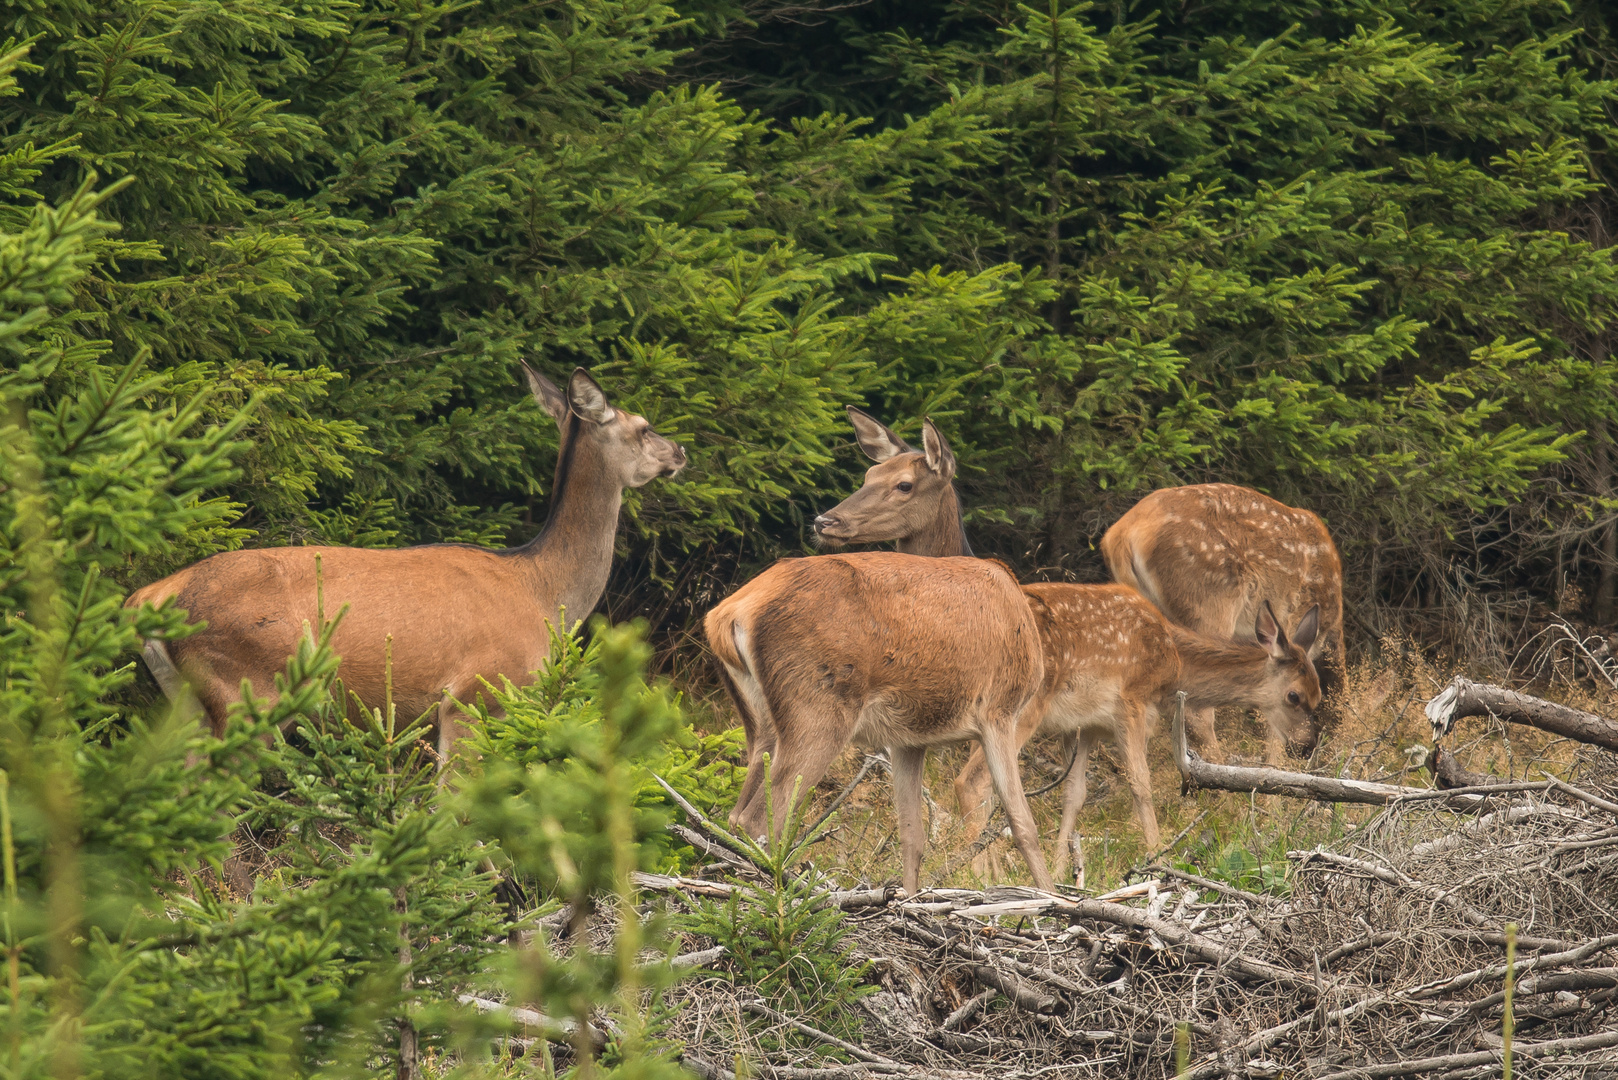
{"x":1352,"y":254}
{"x":267,"y":270}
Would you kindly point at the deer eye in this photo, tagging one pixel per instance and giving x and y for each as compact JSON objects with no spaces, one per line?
{"x":1293,"y":698}
{"x":905,"y":486}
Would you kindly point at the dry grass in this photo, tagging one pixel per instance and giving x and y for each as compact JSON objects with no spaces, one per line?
{"x":1381,"y":734}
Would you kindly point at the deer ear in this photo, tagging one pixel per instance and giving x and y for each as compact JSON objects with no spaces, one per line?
{"x":940,"y":459}
{"x":1269,"y":632}
{"x":875,"y":438}
{"x":545,"y":392}
{"x":588,"y":399}
{"x":1303,"y":635}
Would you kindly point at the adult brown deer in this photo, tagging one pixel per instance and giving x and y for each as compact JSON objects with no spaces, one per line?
{"x":880,"y":649}
{"x":458,"y":614}
{"x":1209,"y":554}
{"x":1112,"y":662}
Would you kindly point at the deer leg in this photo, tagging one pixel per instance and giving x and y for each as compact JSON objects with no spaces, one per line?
{"x":1073,"y":795}
{"x":805,"y":751}
{"x":972,"y":792}
{"x":1199,"y":730}
{"x":452,"y":729}
{"x":972,"y":799}
{"x":760,"y":735}
{"x":761,"y":742}
{"x":1138,"y":773}
{"x":908,"y":763}
{"x":1000,"y":751}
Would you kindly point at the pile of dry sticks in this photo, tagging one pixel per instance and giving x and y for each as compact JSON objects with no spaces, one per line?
{"x":1393,"y":955}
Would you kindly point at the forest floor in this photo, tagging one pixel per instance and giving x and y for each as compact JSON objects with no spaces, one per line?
{"x":1271,"y":937}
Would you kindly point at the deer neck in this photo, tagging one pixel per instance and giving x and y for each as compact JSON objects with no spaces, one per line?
{"x":1219,"y":673}
{"x":943,"y":535}
{"x":571,"y":558}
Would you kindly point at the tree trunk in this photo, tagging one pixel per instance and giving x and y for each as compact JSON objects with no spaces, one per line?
{"x":1607,"y":572}
{"x":409,"y":1050}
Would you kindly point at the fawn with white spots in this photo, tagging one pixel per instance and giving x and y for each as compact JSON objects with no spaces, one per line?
{"x":1209,"y":555}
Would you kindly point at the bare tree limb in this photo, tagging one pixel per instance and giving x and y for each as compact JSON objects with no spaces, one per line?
{"x":1413,"y":1066}
{"x":1463,"y":698}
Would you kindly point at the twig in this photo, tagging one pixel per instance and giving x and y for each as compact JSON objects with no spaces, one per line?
{"x":712,"y":849}
{"x":1194,"y":943}
{"x":1214,"y":886}
{"x":1397,"y":878}
{"x":1486,"y":1057}
{"x":700,"y":958}
{"x":971,"y":1008}
{"x":870,"y":761}
{"x":698,"y":818}
{"x":758,"y":1008}
{"x":1143,"y":865}
{"x":1583,"y":796}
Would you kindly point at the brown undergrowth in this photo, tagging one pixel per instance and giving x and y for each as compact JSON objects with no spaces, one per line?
{"x":1287,"y":938}
{"x":1379,"y":733}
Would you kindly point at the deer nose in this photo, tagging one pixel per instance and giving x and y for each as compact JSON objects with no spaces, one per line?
{"x":824,"y":522}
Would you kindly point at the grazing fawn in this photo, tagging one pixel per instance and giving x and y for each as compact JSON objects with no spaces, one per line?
{"x":880,"y":649}
{"x":1209,"y":555}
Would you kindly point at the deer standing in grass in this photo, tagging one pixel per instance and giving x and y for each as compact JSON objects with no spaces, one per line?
{"x":1208,"y":555}
{"x":1112,"y":662}
{"x":458,"y":614}
{"x":880,"y":649}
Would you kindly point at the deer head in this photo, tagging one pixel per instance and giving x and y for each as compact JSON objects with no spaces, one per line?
{"x":1291,"y":682}
{"x":625,"y":443}
{"x":906,"y":494}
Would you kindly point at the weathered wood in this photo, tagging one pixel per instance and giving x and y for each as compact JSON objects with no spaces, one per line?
{"x":1011,"y":983}
{"x":562,"y":1031}
{"x":1197,"y":773}
{"x":1412,"y":1066}
{"x":1463,"y":698}
{"x":1449,"y":773}
{"x":758,"y":1008}
{"x":1193,"y":943}
{"x":1399,"y":880}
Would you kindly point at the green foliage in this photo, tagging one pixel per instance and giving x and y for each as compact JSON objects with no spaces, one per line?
{"x":545,"y":726}
{"x":125,"y":955}
{"x":783,"y":940}
{"x":583,"y":838}
{"x":1357,"y":262}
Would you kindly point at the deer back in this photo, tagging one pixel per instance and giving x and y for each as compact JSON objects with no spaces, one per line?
{"x":1208,"y":555}
{"x":1101,"y":643}
{"x":916,"y":650}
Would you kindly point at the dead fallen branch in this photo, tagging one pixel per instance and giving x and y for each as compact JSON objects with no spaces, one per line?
{"x":1196,"y":773}
{"x":1463,"y":698}
{"x":1362,"y":954}
{"x":533,"y":1022}
{"x":1398,"y":879}
{"x":758,"y":1008}
{"x":1450,"y":1062}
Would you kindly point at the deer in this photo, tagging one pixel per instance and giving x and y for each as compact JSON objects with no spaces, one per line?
{"x":458,"y":615}
{"x":1113,"y":669}
{"x":879,"y":649}
{"x":1112,"y":662}
{"x":1208,"y":555}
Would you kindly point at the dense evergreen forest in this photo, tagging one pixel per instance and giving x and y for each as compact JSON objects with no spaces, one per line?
{"x":269,"y":269}
{"x":1352,"y":255}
